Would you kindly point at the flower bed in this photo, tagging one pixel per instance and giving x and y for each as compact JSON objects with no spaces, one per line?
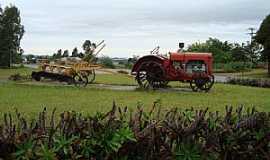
{"x":138,"y":135}
{"x":265,"y":83}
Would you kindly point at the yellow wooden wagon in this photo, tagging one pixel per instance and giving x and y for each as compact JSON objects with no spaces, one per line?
{"x":79,"y":72}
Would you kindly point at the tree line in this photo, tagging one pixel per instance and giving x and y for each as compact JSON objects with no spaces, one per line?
{"x":88,"y":50}
{"x":225,"y":52}
{"x":87,"y":54}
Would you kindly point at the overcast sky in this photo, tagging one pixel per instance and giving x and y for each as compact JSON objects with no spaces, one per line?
{"x":134,"y":26}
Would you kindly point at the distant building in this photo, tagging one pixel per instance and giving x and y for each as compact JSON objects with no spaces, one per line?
{"x":119,"y":61}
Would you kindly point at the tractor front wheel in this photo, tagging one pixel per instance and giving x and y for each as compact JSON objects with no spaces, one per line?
{"x":203,"y":84}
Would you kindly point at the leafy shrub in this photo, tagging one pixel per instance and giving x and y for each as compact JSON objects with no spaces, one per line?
{"x":137,"y":135}
{"x":18,"y":77}
{"x":265,"y":83}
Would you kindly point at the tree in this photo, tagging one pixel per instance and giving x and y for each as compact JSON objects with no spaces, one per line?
{"x":1,"y":20}
{"x":89,"y":49}
{"x":87,"y":46}
{"x":59,"y":53}
{"x":239,"y":53}
{"x":30,"y":58}
{"x":263,"y":37}
{"x":106,"y":62}
{"x":11,"y":33}
{"x":220,"y":50}
{"x":225,"y":52}
{"x":75,"y":52}
{"x":249,"y":52}
{"x":81,"y":55}
{"x":66,"y":53}
{"x":254,"y":51}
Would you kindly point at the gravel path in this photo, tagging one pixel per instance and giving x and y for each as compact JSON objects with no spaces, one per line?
{"x":134,"y":88}
{"x":102,"y":86}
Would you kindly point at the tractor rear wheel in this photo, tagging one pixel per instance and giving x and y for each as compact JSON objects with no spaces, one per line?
{"x":203,"y":84}
{"x":151,"y":75}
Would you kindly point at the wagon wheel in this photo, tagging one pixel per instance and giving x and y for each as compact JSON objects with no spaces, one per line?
{"x":151,"y":74}
{"x":80,"y":80}
{"x":70,"y":81}
{"x":204,"y":84}
{"x":91,"y":76}
{"x":36,"y":76}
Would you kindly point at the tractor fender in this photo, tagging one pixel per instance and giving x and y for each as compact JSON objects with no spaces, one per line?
{"x":146,"y":59}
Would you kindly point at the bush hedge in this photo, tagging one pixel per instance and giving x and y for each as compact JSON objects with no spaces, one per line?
{"x":138,"y":135}
{"x":265,"y":83}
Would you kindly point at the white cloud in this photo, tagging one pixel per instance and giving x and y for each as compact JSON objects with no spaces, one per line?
{"x":134,"y":26}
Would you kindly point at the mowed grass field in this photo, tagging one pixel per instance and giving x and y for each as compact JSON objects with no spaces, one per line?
{"x":31,"y":99}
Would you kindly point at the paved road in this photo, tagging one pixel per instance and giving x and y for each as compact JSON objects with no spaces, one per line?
{"x":221,"y":79}
{"x":34,"y":66}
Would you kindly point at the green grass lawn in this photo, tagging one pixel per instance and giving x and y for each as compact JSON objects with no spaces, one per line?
{"x":116,"y":79}
{"x":31,"y":99}
{"x":123,"y":79}
{"x":5,"y":73}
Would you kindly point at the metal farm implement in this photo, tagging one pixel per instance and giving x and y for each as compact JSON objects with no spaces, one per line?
{"x":78,"y":73}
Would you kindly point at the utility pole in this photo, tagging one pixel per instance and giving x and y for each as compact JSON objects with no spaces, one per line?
{"x":251,"y":33}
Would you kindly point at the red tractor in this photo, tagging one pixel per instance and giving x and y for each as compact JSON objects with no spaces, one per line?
{"x":156,"y":71}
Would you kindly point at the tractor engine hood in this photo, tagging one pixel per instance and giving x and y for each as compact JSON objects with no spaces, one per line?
{"x":190,"y":56}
